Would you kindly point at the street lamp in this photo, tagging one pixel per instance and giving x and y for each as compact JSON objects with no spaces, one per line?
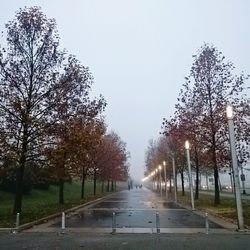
{"x":160,"y":179}
{"x":165,"y":177}
{"x":235,"y":168}
{"x":187,"y":147}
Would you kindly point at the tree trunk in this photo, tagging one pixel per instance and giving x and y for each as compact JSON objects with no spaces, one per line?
{"x":182,"y":183}
{"x":216,"y":187}
{"x":213,"y":133}
{"x":197,"y":175}
{"x":20,"y":173}
{"x":102,"y":186}
{"x":207,"y":181}
{"x":176,"y":182}
{"x":216,"y":180}
{"x":61,"y":191}
{"x":170,"y":184}
{"x":94,"y":184}
{"x":108,"y":186}
{"x":83,"y":184}
{"x":112,"y":186}
{"x":19,"y":191}
{"x":220,"y":187}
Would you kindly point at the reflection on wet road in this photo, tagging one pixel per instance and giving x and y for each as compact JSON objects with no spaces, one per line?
{"x":135,"y":209}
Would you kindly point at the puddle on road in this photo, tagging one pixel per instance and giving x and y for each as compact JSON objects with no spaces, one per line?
{"x":136,"y":219}
{"x":170,"y":205}
{"x":114,"y":204}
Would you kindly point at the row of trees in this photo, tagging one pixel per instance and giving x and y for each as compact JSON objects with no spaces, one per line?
{"x":49,"y":125}
{"x":200,"y":117}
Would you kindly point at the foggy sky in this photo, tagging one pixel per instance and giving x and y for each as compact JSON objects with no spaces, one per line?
{"x":139,"y":52}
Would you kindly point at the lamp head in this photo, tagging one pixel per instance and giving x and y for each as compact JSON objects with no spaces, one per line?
{"x":187,"y":145}
{"x":229,"y":112}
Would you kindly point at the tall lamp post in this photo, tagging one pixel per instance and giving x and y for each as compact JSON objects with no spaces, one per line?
{"x":165,"y":177}
{"x":235,"y":168}
{"x":187,"y":146}
{"x":160,"y":179}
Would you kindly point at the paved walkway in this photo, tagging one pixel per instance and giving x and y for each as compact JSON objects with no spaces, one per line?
{"x":135,"y":211}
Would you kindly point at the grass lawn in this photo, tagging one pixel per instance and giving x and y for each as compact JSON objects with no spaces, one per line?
{"x":41,"y":203}
{"x":227,"y":208}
